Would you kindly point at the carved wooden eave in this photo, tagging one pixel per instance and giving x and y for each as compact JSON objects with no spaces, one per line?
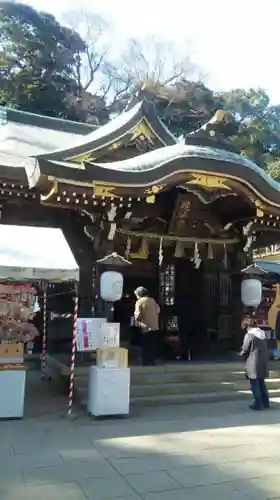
{"x":209,"y":173}
{"x":140,"y":126}
{"x":191,"y":166}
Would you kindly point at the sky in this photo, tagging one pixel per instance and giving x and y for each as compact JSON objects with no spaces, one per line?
{"x":235,"y":43}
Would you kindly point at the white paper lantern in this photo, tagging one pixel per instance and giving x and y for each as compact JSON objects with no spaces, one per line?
{"x":251,"y":292}
{"x":111,"y":286}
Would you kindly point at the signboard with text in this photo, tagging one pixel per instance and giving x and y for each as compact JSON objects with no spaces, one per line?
{"x":89,"y":333}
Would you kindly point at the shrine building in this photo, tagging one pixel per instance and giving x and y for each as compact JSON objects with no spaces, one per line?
{"x":187,"y":214}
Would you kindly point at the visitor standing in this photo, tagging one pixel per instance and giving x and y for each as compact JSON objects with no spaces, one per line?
{"x":146,"y":315}
{"x":255,"y":352}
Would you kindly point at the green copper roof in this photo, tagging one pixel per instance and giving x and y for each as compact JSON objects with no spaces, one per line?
{"x":48,"y":122}
{"x":27,"y":134}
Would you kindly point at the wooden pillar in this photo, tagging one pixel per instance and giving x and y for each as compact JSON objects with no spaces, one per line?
{"x":86,"y":291}
{"x":238,"y":310}
{"x":238,"y":263}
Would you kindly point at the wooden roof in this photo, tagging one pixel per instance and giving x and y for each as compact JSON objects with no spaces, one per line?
{"x":200,"y":165}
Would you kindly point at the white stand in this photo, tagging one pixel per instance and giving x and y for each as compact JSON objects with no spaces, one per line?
{"x":109,"y":391}
{"x":12,"y":393}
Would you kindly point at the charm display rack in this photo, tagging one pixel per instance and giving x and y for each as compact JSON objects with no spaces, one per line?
{"x":20,"y":270}
{"x":17,"y":307}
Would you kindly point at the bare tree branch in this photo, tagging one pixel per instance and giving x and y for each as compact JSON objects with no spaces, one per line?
{"x":157,"y":65}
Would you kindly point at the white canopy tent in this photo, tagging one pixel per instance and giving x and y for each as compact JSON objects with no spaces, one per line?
{"x":40,"y":254}
{"x":36,"y":253}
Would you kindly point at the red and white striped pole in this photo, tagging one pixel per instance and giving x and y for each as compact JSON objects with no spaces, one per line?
{"x":44,"y":338}
{"x":73,"y":356}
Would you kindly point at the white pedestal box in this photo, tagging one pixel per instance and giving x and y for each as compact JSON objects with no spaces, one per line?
{"x":12,"y":393}
{"x":109,"y":391}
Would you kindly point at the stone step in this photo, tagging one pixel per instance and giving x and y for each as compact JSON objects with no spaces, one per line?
{"x":185,"y":399}
{"x":195,"y":387}
{"x":177,"y":378}
{"x":159,"y":379}
{"x":203,"y":369}
{"x":177,"y":383}
{"x":196,"y":367}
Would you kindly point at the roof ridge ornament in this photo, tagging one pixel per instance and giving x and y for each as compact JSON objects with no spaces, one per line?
{"x":216,"y":131}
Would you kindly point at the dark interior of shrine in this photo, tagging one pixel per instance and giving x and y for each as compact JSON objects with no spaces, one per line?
{"x":198,"y":307}
{"x":200,"y":213}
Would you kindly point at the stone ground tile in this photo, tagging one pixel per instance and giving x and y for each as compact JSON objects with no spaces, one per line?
{"x":265,"y":488}
{"x":55,"y":429}
{"x":10,"y":476}
{"x":69,"y":491}
{"x":29,"y":443}
{"x":74,"y":435}
{"x":68,"y":447}
{"x":199,"y":476}
{"x":227,"y":440}
{"x":251,"y":469}
{"x":73,"y":455}
{"x":128,"y":447}
{"x":6,"y":454}
{"x":169,"y":495}
{"x":105,"y":489}
{"x":67,"y":473}
{"x":152,"y":481}
{"x":7,"y":447}
{"x":114,"y":452}
{"x":214,"y":492}
{"x":36,"y":459}
{"x":237,"y":454}
{"x":130,"y":497}
{"x":11,"y":488}
{"x":152,"y":463}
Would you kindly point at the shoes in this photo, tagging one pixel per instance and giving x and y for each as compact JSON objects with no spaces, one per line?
{"x":258,"y":408}
{"x":255,"y":408}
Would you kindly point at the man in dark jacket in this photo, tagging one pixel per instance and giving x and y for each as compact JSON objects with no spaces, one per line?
{"x":255,"y":352}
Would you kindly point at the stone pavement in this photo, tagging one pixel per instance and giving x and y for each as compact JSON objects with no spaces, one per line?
{"x":212,"y":451}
